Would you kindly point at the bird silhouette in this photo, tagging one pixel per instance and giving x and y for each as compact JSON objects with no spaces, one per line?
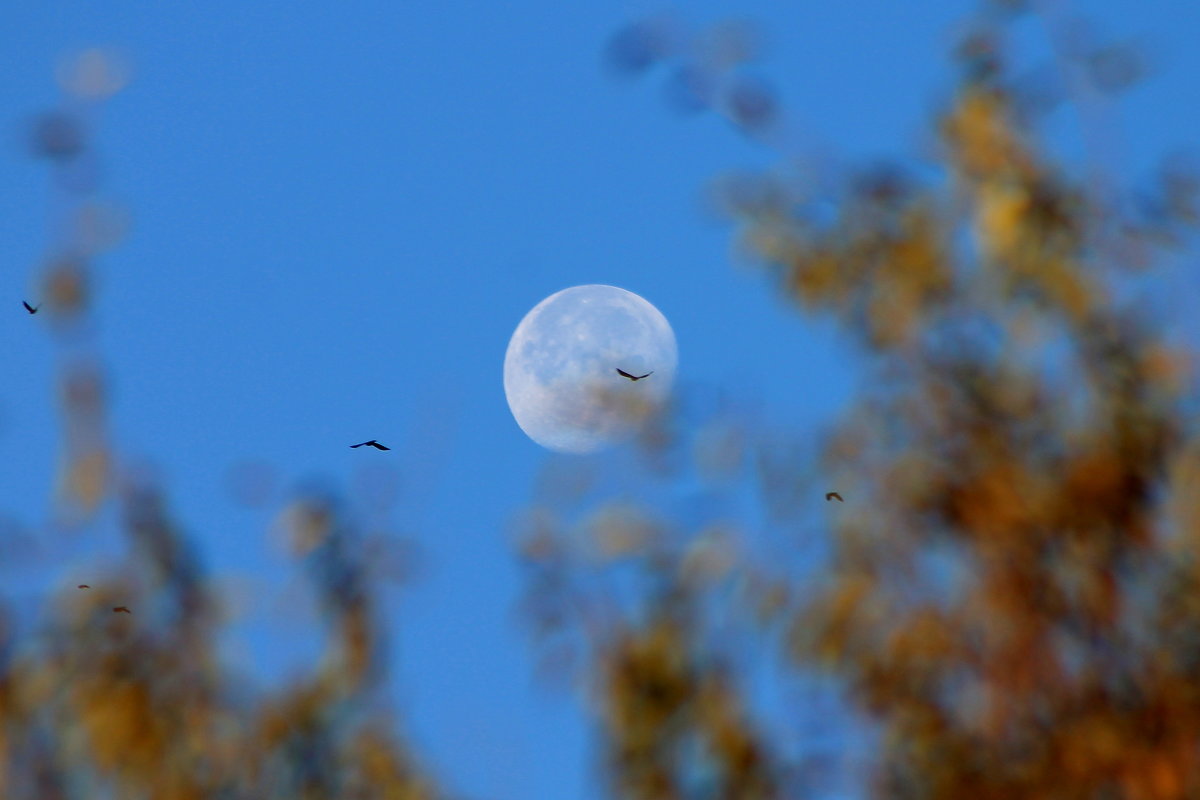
{"x":634,"y":378}
{"x":84,"y":586}
{"x":121,"y":608}
{"x":29,"y":308}
{"x":833,"y":496}
{"x":373,"y":443}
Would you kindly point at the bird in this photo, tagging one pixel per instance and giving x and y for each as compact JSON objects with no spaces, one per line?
{"x":373,"y":443}
{"x":84,"y":586}
{"x":833,"y":496}
{"x":121,"y":608}
{"x":29,"y":308}
{"x":634,"y":378}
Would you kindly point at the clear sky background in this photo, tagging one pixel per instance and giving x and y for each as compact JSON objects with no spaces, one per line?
{"x":341,"y":211}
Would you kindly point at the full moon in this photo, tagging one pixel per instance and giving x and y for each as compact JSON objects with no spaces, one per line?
{"x":560,"y":371}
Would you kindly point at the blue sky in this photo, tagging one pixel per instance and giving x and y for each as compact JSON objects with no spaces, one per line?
{"x":341,"y":211}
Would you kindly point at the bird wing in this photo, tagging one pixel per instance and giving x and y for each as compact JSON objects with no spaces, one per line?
{"x":28,"y":307}
{"x":623,"y":373}
{"x":360,"y":444}
{"x":380,"y":446}
{"x":647,"y":375}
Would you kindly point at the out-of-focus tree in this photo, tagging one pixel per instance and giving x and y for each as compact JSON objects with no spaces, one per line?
{"x":1013,"y":594}
{"x":117,"y":690}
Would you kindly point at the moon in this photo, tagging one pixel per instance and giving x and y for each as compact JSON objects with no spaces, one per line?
{"x":560,"y":370}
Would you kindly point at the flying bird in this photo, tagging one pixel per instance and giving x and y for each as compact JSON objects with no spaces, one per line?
{"x":84,"y":586}
{"x":121,"y":608}
{"x":373,"y":443}
{"x":29,"y":308}
{"x":833,"y":496}
{"x":634,"y":378}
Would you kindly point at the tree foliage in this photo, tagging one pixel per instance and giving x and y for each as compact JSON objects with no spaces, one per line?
{"x":1011,"y":592}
